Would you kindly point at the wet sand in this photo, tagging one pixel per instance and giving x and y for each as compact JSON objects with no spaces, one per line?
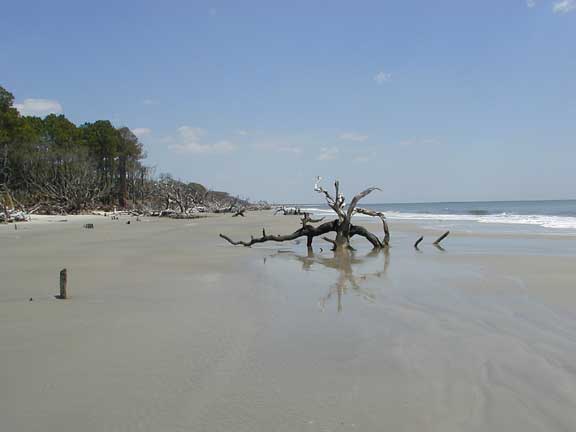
{"x":168,"y":328}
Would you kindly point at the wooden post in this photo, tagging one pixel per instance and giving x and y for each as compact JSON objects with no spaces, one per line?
{"x":63,"y":284}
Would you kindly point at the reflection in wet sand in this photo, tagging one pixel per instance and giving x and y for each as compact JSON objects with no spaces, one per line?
{"x":344,"y":261}
{"x":442,"y":345}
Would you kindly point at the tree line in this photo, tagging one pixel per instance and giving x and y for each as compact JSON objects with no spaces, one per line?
{"x":52,"y":165}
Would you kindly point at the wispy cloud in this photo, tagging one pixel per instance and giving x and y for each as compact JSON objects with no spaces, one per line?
{"x":247,"y":132}
{"x":39,"y":107}
{"x":189,"y":140}
{"x":564,"y":6}
{"x":530,"y":3}
{"x":419,"y":142}
{"x":149,"y":101}
{"x":382,"y":77}
{"x":328,"y":153}
{"x":363,"y":157}
{"x":277,"y":147}
{"x":141,"y":132}
{"x":353,"y":136}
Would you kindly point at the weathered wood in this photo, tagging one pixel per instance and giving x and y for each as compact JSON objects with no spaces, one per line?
{"x":63,"y":284}
{"x":357,"y":198}
{"x":305,"y":231}
{"x":307,"y":219}
{"x":442,"y":237}
{"x":342,"y":226}
{"x":418,"y":242}
{"x":368,"y":212}
{"x":329,"y":240}
{"x":239,"y":212}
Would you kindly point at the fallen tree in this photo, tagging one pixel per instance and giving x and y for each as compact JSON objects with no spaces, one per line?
{"x":342,"y":226}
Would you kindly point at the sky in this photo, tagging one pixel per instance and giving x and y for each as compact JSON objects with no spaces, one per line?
{"x":448,"y":100}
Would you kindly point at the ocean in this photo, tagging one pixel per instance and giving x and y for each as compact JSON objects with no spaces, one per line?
{"x":554,"y":216}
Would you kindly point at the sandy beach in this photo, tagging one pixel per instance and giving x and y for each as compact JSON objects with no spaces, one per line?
{"x":169,"y":328}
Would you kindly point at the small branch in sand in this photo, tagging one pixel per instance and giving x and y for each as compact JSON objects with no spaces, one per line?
{"x":418,"y":242}
{"x":239,"y":212}
{"x":442,"y":237}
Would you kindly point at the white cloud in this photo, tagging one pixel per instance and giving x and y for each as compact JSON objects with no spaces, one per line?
{"x":564,"y":6}
{"x":382,"y":77}
{"x":141,"y":132}
{"x":149,"y":101}
{"x":189,"y":141}
{"x":328,"y":153}
{"x":353,"y":136}
{"x":530,"y":3}
{"x":39,"y":107}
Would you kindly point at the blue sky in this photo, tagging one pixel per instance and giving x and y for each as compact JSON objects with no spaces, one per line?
{"x":431,"y":101}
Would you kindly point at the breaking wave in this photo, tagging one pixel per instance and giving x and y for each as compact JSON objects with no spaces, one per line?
{"x":545,"y":221}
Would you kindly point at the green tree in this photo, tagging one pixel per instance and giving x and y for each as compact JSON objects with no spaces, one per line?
{"x":103,"y":141}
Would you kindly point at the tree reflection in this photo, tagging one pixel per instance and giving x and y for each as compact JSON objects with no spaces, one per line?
{"x":344,"y":262}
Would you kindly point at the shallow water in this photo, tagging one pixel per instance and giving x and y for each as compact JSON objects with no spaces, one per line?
{"x":373,"y":343}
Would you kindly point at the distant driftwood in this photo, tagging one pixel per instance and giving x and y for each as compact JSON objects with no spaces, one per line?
{"x":13,"y":215}
{"x":289,"y":211}
{"x":239,"y":212}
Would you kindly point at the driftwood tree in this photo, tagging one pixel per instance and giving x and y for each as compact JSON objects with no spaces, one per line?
{"x":69,"y":185}
{"x":342,"y":226}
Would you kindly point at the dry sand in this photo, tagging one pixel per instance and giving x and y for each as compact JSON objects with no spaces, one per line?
{"x":170,"y":329}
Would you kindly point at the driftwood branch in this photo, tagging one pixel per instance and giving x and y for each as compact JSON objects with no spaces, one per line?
{"x":306,"y":231}
{"x":342,"y":226}
{"x":308,"y":220}
{"x":442,"y":237}
{"x":357,"y":199}
{"x":418,"y":242}
{"x":239,"y":212}
{"x":368,"y":212}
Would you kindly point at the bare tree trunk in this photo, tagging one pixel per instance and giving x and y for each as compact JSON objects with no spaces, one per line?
{"x":123,"y":185}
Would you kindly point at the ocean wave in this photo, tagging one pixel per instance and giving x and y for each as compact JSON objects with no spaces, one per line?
{"x":545,"y":221}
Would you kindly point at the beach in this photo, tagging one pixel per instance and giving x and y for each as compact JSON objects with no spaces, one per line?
{"x":169,"y":328}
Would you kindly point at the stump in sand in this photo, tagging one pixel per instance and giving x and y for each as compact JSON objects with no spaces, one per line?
{"x":63,"y":285}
